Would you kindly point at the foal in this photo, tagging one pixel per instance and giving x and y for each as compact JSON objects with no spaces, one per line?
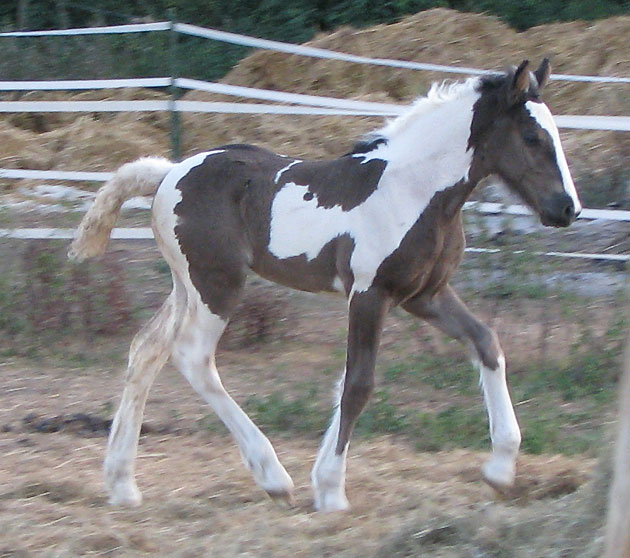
{"x":382,"y":225}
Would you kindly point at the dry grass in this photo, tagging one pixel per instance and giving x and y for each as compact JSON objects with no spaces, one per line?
{"x":200,"y":501}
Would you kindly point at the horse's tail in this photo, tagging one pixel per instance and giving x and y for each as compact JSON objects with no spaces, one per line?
{"x":140,"y":178}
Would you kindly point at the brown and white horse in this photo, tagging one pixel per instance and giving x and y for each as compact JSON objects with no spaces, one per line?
{"x":382,"y":225}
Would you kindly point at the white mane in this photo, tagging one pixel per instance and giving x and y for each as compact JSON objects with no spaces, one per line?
{"x":439,"y":93}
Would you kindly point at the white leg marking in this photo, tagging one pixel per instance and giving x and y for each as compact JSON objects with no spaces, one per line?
{"x":500,"y":470}
{"x":194,"y":356}
{"x":148,"y":354}
{"x":329,"y":472}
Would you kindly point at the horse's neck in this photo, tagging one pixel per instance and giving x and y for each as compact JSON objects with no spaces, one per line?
{"x":430,"y":153}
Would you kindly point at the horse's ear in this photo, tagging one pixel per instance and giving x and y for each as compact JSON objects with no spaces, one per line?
{"x":520,"y":84}
{"x":542,"y":73}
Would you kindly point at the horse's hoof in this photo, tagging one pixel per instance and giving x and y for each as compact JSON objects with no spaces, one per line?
{"x":130,"y":501}
{"x":336,"y":503}
{"x":127,"y":496}
{"x":502,"y":491}
{"x":500,"y":470}
{"x":283,"y":498}
{"x":499,"y":475}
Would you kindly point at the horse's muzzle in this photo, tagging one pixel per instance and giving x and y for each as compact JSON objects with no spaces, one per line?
{"x":559,"y":211}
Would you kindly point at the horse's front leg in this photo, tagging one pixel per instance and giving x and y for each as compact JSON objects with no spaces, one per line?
{"x":449,"y":314}
{"x":366,"y":313}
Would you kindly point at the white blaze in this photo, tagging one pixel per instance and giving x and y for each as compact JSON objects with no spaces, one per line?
{"x":540,"y":113}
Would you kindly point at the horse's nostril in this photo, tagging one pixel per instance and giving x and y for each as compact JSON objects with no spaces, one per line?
{"x":569,"y":211}
{"x":561,"y":211}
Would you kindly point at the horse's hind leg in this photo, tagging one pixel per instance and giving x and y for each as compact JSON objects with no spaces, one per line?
{"x":448,"y":313}
{"x":194,"y":356}
{"x":149,"y":352}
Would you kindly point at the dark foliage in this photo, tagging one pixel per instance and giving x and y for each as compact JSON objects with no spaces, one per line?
{"x":298,"y":21}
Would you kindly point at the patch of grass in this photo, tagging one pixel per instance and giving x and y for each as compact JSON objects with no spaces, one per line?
{"x":599,"y":190}
{"x":562,"y":411}
{"x":46,"y":302}
{"x":454,"y":427}
{"x":591,"y":375}
{"x":437,"y":371}
{"x":278,"y":412}
{"x":547,"y":433}
{"x":381,"y":417}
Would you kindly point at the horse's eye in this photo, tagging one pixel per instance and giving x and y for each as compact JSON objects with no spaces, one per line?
{"x":531,"y":138}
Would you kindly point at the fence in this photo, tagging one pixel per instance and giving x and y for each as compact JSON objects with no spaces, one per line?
{"x":293,"y":103}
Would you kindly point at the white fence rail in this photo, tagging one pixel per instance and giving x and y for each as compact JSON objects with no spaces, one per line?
{"x":481,"y":207}
{"x":308,"y":105}
{"x":145,"y":233}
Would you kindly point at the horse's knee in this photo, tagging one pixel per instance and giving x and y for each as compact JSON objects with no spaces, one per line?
{"x":488,"y":347}
{"x":357,"y":391}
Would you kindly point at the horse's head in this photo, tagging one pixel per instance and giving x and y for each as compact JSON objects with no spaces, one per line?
{"x":514,"y":136}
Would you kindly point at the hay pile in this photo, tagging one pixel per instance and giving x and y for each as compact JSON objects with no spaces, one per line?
{"x":97,"y":142}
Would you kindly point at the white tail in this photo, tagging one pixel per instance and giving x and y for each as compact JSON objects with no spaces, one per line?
{"x":140,"y":178}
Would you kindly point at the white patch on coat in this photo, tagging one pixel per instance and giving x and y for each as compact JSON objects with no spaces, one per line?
{"x":542,"y":115}
{"x":426,"y":155}
{"x":284,"y":169}
{"x":194,"y":356}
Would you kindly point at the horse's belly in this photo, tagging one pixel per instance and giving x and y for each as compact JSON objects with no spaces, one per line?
{"x":298,"y":274}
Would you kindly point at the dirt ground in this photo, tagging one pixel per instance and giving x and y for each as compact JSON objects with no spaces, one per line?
{"x":199,"y":499}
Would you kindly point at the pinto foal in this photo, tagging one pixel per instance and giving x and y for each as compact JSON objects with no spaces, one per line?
{"x":382,"y":225}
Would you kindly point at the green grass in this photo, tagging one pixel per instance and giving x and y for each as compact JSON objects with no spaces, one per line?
{"x":382,"y":417}
{"x":439,"y":372}
{"x":561,"y":406}
{"x":454,"y":427}
{"x":278,"y":412}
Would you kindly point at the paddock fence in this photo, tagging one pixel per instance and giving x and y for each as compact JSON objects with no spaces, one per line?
{"x":291,"y":103}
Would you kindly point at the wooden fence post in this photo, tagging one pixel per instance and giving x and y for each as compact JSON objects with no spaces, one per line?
{"x":618,"y":523}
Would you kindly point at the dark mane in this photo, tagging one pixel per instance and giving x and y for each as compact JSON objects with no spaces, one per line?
{"x":366,"y":145}
{"x":492,"y":83}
